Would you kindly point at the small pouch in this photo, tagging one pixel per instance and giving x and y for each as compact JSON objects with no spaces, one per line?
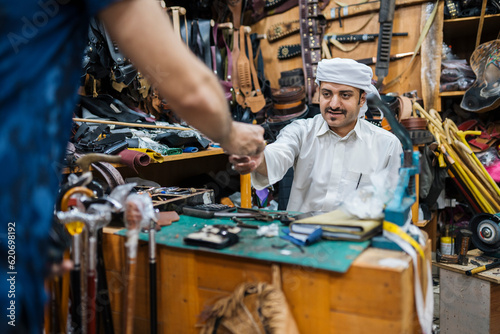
{"x":217,"y":237}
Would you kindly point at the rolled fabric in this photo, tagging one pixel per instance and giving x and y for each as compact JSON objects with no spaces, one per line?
{"x":134,"y":158}
{"x":190,"y":149}
{"x":347,"y":72}
{"x":152,"y":154}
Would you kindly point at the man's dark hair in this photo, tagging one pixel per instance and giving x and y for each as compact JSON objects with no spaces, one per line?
{"x":361,"y":91}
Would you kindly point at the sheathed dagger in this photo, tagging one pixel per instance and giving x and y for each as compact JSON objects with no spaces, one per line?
{"x":284,"y":29}
{"x":373,"y":60}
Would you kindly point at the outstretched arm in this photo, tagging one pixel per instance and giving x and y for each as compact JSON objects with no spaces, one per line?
{"x":144,"y":33}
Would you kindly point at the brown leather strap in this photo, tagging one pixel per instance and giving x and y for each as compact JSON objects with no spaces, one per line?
{"x":240,"y":99}
{"x":235,"y":7}
{"x":244,"y":67}
{"x":255,"y":78}
{"x":256,"y":101}
{"x":289,"y":51}
{"x":282,"y":29}
{"x":311,"y":33}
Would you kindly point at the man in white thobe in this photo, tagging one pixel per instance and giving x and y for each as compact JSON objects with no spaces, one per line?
{"x":333,"y":153}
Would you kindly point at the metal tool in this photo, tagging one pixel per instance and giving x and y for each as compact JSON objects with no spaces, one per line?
{"x":398,"y":208}
{"x":485,"y":229}
{"x":241,"y":213}
{"x":397,"y":213}
{"x":482,"y":268}
{"x":257,"y":214}
{"x":241,"y":223}
{"x":213,"y":214}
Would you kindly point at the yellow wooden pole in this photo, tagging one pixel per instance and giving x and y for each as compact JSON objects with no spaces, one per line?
{"x":246,"y":191}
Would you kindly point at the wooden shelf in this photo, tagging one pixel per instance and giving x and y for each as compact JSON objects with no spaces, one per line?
{"x":458,"y":30}
{"x":205,"y":153}
{"x":211,"y":151}
{"x":453,"y":93}
{"x":471,"y":18}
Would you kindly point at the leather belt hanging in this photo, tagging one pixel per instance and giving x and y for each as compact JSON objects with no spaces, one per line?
{"x":256,"y":101}
{"x":247,"y":76}
{"x":312,"y":28}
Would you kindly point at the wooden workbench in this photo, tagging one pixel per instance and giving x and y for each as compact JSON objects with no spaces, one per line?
{"x":375,"y":295}
{"x":469,"y":304}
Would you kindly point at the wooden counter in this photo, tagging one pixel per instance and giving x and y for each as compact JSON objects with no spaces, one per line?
{"x":374,"y":296}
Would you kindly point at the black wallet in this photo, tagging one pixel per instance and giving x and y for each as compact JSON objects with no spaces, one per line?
{"x":213,"y":236}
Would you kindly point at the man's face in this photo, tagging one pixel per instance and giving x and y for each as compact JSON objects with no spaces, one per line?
{"x":339,"y":105}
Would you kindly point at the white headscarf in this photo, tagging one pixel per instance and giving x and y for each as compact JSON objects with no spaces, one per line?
{"x":347,"y":72}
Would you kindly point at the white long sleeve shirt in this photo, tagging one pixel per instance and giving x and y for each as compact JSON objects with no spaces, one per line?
{"x":328,"y":168}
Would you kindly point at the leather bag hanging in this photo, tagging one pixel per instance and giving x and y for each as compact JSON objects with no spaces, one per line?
{"x":198,"y":38}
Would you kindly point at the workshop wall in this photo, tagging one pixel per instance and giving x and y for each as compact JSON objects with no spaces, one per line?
{"x":406,"y":19}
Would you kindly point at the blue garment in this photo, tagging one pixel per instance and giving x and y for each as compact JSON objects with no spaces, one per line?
{"x":41,"y":48}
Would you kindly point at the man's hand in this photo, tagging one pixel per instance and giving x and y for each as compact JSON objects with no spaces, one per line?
{"x":245,"y":140}
{"x":247,"y":164}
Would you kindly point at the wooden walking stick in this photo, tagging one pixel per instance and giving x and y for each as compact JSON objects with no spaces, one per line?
{"x":152,"y":277}
{"x":102,"y":218}
{"x":138,"y":214}
{"x":462,"y":135}
{"x":75,"y":229}
{"x":131,"y":125}
{"x":99,"y":215}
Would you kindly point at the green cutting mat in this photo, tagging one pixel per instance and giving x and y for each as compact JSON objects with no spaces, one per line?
{"x":329,"y":255}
